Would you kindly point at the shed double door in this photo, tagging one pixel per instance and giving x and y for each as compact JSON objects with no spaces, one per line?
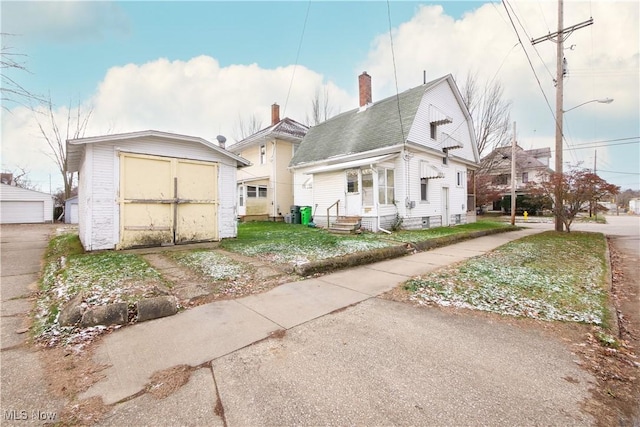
{"x":166,"y":201}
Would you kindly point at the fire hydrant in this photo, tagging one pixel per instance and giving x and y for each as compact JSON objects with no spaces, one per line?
{"x":526,"y":215}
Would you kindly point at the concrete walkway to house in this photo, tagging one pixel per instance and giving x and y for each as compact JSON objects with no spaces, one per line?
{"x":371,"y":361}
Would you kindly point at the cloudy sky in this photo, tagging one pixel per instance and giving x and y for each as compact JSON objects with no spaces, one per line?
{"x":198,"y":68}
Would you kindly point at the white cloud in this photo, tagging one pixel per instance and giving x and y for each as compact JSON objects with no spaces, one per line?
{"x":196,"y":97}
{"x":603,"y":63}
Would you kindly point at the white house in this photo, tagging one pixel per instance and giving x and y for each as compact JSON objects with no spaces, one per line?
{"x":19,"y":205}
{"x":153,"y":188}
{"x":634,"y":206}
{"x":402,"y":160}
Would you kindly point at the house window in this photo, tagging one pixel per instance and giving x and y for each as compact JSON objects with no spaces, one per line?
{"x":459,"y":179}
{"x":434,"y":131}
{"x":352,"y":181}
{"x":259,"y":191}
{"x":525,"y":177}
{"x":367,"y":187}
{"x":241,"y":196}
{"x":263,"y":154}
{"x":445,"y":159}
{"x":424,"y":189}
{"x":501,"y":179}
{"x":385,"y":186}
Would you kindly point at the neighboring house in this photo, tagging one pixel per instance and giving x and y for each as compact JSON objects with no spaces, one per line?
{"x":71,"y":210}
{"x":634,"y":206}
{"x":19,"y":205}
{"x":370,"y":164}
{"x":532,"y":166}
{"x":153,"y":188}
{"x":265,"y":188}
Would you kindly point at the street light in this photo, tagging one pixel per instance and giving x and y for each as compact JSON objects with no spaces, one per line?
{"x":600,"y":101}
{"x":559,"y":226}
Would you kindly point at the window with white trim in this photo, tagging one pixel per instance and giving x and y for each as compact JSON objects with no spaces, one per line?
{"x":254,"y":191}
{"x":367,"y":187}
{"x":263,"y":154}
{"x":424,"y":189}
{"x":459,"y":178}
{"x":386,"y":186}
{"x":525,"y":177}
{"x":352,"y":181}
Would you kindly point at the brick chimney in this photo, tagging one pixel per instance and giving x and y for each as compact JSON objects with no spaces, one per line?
{"x":364,"y":84}
{"x":275,"y":114}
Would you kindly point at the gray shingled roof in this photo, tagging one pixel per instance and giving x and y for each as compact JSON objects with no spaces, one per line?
{"x":286,"y":128}
{"x":358,"y":131}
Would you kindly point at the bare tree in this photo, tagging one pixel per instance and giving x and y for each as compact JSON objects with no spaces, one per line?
{"x":321,"y":108}
{"x":56,"y":138}
{"x":19,"y":177}
{"x":246,"y":126}
{"x":11,"y":90}
{"x":489,"y":110}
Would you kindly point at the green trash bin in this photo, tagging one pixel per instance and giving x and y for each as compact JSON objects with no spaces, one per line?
{"x":305,"y":213}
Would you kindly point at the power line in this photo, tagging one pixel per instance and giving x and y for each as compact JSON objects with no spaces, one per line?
{"x":621,"y":173}
{"x":304,"y":27}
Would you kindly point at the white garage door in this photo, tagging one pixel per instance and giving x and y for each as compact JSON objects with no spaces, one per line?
{"x":74,"y":213}
{"x":19,"y":212}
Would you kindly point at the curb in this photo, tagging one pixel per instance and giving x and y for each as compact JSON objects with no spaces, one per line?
{"x":363,"y":258}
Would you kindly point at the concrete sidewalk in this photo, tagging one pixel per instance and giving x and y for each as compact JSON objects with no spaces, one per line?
{"x":211,"y":331}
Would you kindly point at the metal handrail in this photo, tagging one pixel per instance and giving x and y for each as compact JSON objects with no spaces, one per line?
{"x":337,"y":205}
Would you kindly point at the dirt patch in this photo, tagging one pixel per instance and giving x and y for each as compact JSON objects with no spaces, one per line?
{"x":71,"y":372}
{"x":83,"y":413}
{"x":617,"y":398}
{"x":166,"y":382}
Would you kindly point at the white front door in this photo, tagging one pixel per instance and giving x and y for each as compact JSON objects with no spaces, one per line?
{"x":353,"y":199}
{"x":242,"y":208}
{"x":445,"y":206}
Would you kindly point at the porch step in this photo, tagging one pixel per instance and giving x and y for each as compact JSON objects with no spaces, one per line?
{"x":346,"y":225}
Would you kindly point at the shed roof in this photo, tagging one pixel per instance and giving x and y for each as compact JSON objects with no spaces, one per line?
{"x":75,"y":146}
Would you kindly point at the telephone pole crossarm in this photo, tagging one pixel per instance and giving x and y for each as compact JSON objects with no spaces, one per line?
{"x":567,"y":30}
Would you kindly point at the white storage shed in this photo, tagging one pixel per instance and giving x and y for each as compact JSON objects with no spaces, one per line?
{"x":153,"y":188}
{"x":22,"y":206}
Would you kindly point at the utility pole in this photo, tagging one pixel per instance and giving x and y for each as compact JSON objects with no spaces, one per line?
{"x":559,"y":40}
{"x":513,"y":176}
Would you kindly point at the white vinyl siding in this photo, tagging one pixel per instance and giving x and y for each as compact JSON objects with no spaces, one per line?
{"x":99,"y":185}
{"x":19,"y":205}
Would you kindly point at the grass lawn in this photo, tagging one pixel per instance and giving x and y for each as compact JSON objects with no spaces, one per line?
{"x":414,"y":236}
{"x":298,"y":244}
{"x":102,"y":278}
{"x":549,"y":276}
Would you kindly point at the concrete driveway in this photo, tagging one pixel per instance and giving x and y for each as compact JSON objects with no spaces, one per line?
{"x":25,"y":398}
